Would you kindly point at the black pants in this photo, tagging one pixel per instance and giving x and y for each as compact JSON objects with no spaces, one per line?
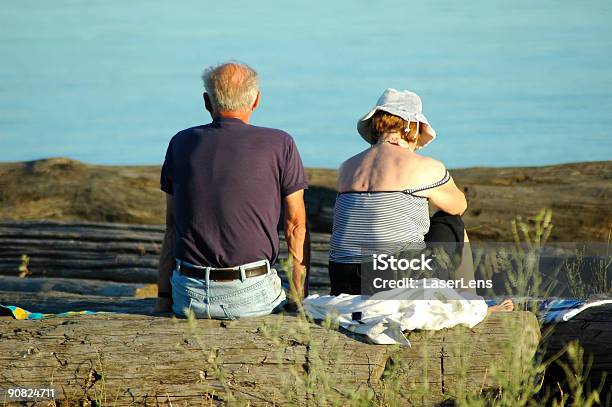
{"x":444,"y":228}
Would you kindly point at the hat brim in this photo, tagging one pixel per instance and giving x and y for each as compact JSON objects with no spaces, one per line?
{"x":426,"y":133}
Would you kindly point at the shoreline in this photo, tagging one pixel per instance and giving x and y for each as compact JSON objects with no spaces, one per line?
{"x":67,"y":190}
{"x":153,"y":165}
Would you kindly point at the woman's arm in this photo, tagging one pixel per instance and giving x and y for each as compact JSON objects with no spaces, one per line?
{"x":447,"y":197}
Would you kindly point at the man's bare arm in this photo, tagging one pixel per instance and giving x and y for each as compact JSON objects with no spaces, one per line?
{"x":298,"y":240}
{"x":166,"y":260}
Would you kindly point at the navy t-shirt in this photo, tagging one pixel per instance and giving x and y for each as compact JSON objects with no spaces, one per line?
{"x":227,"y":179}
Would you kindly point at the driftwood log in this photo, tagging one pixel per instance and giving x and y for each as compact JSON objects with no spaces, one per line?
{"x":75,"y":286}
{"x":592,"y":329}
{"x":106,"y":267}
{"x":106,"y":251}
{"x":119,"y":359}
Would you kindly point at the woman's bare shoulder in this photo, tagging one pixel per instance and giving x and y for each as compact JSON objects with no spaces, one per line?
{"x":430,"y":169}
{"x":356,"y":159}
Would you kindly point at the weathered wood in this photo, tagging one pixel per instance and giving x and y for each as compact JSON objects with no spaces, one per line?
{"x":76,"y":286}
{"x":77,"y":253}
{"x":104,"y":251}
{"x":122,"y":274}
{"x":55,"y":253}
{"x":80,"y":232}
{"x":318,"y":280}
{"x":42,"y":224}
{"x":121,"y":247}
{"x":593,"y":330}
{"x":96,"y":230}
{"x":103,"y":262}
{"x":135,"y":358}
{"x":54,"y":302}
{"x":16,"y":253}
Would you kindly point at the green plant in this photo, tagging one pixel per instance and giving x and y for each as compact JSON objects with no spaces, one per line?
{"x":227,"y":392}
{"x":596,"y":279}
{"x":23,"y":266}
{"x":576,"y":371}
{"x":312,"y":382}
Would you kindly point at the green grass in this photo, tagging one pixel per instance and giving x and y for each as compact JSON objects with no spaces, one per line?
{"x":312,"y":384}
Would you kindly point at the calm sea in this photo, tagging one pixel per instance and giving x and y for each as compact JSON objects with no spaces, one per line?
{"x":503,"y":82}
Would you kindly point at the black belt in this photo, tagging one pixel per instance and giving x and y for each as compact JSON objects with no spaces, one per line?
{"x":222,"y":274}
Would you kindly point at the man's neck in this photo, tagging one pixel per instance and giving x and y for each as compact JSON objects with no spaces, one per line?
{"x":243,"y":116}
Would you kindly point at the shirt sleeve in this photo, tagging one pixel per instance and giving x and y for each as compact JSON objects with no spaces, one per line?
{"x":166,"y":172}
{"x":293,"y":176}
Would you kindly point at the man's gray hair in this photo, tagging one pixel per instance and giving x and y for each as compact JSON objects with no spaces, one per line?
{"x":231,"y":86}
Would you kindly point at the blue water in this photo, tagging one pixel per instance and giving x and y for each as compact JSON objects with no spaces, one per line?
{"x":503,"y":82}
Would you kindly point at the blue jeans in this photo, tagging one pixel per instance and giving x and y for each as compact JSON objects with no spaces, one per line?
{"x":247,"y":297}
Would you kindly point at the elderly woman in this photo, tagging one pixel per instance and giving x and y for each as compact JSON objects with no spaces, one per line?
{"x":385,"y":193}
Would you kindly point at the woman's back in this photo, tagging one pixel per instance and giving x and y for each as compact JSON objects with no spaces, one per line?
{"x":378,"y":209}
{"x":388,"y":167}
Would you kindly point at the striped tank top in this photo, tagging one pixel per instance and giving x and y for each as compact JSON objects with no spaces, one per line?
{"x":377,"y":222}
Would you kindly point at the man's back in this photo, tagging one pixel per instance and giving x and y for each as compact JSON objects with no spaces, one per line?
{"x":227,"y":180}
{"x":225,"y":184}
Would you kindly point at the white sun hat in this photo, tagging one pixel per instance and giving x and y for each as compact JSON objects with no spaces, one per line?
{"x":404,"y":104}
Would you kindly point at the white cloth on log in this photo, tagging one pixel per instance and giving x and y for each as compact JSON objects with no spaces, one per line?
{"x":384,"y":316}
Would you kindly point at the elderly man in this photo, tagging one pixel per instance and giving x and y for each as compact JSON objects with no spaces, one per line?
{"x":226,"y":183}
